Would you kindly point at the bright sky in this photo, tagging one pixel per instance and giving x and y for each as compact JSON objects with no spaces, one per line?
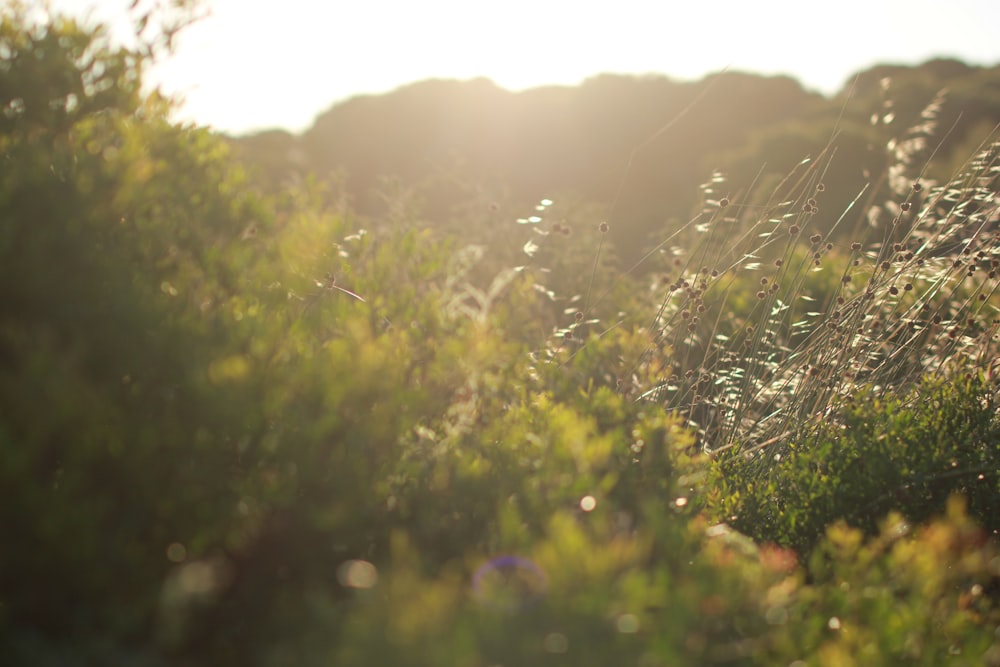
{"x":254,"y":64}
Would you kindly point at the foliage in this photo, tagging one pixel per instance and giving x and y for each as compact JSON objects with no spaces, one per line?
{"x":908,"y":454}
{"x":246,"y":425}
{"x":633,"y":148}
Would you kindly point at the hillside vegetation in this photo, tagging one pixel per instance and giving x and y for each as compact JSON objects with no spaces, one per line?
{"x":635,"y":148}
{"x":251,"y":415}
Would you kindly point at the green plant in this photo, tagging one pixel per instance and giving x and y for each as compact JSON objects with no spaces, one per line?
{"x":248,"y":428}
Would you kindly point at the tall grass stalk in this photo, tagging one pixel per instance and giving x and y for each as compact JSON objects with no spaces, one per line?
{"x":769,"y":314}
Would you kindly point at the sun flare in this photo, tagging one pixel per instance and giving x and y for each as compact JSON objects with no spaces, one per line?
{"x":253,"y":65}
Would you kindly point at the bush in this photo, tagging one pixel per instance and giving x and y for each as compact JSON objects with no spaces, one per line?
{"x":906,"y":454}
{"x":247,"y":428}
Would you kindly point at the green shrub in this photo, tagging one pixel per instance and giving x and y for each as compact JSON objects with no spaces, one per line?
{"x":240,"y":428}
{"x":906,"y":454}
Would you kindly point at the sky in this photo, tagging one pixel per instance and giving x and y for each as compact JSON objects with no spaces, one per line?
{"x":251,"y":64}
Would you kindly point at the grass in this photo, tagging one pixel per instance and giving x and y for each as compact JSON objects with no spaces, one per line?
{"x":769,"y":312}
{"x":307,"y":444}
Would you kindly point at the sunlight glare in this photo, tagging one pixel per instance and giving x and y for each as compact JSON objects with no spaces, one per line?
{"x":256,"y":65}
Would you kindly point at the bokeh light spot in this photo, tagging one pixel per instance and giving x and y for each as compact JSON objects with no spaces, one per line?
{"x":357,"y":574}
{"x":628,"y":624}
{"x":176,"y":553}
{"x":588,"y":503}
